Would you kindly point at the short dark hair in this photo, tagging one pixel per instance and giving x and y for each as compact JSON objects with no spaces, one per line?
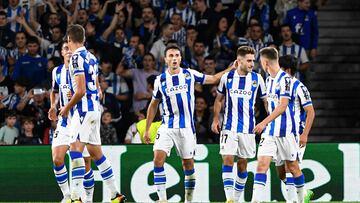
{"x":191,"y":27}
{"x":150,"y":80}
{"x":172,"y":46}
{"x":288,"y":62}
{"x":27,"y":119}
{"x":210,"y":57}
{"x":10,"y":113}
{"x":2,"y":13}
{"x":285,"y":25}
{"x":21,"y":32}
{"x":269,"y":53}
{"x":76,"y":33}
{"x":32,"y":40}
{"x":150,"y":54}
{"x":257,"y":25}
{"x":243,"y":50}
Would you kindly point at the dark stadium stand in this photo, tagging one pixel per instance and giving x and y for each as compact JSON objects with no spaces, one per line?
{"x":335,"y":80}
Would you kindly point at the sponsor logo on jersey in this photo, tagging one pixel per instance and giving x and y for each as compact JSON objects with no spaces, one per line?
{"x":240,"y":93}
{"x":177,"y":89}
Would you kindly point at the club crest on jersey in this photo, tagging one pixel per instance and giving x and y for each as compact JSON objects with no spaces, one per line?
{"x":187,"y":76}
{"x":177,"y":89}
{"x":254,"y":83}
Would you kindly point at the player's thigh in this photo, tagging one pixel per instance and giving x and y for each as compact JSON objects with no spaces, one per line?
{"x":267,"y":146}
{"x":95,"y":151}
{"x":246,"y":145}
{"x":86,"y":127}
{"x":185,"y":142}
{"x":287,"y":148}
{"x":163,"y":141}
{"x":228,"y":143}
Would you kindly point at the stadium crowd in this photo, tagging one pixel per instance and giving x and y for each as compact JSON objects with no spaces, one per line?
{"x":129,"y":39}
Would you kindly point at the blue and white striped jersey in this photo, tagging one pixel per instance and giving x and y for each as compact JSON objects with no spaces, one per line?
{"x":61,"y":84}
{"x":84,"y":62}
{"x":276,"y":88}
{"x":294,"y":50}
{"x":11,"y":14}
{"x":301,"y":98}
{"x":176,"y":93}
{"x":240,"y":95}
{"x":187,"y":15}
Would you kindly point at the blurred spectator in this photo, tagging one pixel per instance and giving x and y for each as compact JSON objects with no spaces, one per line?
{"x":149,"y":29}
{"x":28,"y":137}
{"x":6,"y":84}
{"x":202,"y":121}
{"x":282,"y":7}
{"x":238,"y":26}
{"x":179,"y":30}
{"x":108,"y":100}
{"x":206,"y":20}
{"x":49,"y":132}
{"x":19,"y":50}
{"x":267,"y":16}
{"x":141,"y":95}
{"x":9,"y":133}
{"x":183,"y":9}
{"x":37,"y":107}
{"x":16,"y":9}
{"x":133,"y":54}
{"x":289,"y":47}
{"x":107,"y":131}
{"x":11,"y":101}
{"x":31,"y":66}
{"x":303,"y":22}
{"x":158,"y":48}
{"x":116,"y":84}
{"x":198,"y":54}
{"x":6,"y":34}
{"x":222,"y":46}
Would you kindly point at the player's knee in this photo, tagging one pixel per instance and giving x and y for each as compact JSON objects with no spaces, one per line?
{"x":262,"y":167}
{"x":293,"y":167}
{"x":58,"y":160}
{"x":158,"y":162}
{"x":228,"y":160}
{"x":242,"y":164}
{"x":188,"y":164}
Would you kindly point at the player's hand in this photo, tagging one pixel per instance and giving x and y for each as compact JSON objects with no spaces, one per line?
{"x":64,"y":112}
{"x":215,"y":126}
{"x":52,"y":114}
{"x":259,"y":128}
{"x":147,"y":137}
{"x":303,"y":140}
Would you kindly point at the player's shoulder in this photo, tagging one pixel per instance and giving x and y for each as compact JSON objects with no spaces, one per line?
{"x":58,"y":69}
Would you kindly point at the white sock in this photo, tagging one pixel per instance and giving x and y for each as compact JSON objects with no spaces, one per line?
{"x":189,"y":183}
{"x":107,"y":174}
{"x":290,"y":188}
{"x":61,"y":175}
{"x":89,"y":184}
{"x":299,"y":184}
{"x":228,"y":181}
{"x":259,"y":187}
{"x":77,"y":172}
{"x":160,"y":182}
{"x":241,"y":179}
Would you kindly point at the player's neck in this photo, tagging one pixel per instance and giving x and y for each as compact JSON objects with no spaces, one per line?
{"x":274,"y":70}
{"x":288,"y":42}
{"x":174,"y":70}
{"x":240,"y":72}
{"x":77,"y":46}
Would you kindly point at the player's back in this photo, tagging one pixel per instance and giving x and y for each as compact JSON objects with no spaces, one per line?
{"x":300,"y":96}
{"x":276,"y":88}
{"x":84,"y":62}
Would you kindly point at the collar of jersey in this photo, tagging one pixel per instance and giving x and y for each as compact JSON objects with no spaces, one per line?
{"x":80,"y":49}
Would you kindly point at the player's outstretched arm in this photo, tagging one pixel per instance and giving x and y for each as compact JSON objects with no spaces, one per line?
{"x":310,"y":116}
{"x":151,"y":111}
{"x":214,"y":79}
{"x":79,"y":93}
{"x":215,"y":126}
{"x":284,"y":101}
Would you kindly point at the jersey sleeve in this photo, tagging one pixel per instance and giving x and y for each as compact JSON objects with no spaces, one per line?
{"x":262,"y":87}
{"x":156,"y":91}
{"x":303,"y":57}
{"x":77,"y":64}
{"x":54,"y":84}
{"x":199,"y":77}
{"x":304,"y":96}
{"x":221,"y":89}
{"x":285,"y":87}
